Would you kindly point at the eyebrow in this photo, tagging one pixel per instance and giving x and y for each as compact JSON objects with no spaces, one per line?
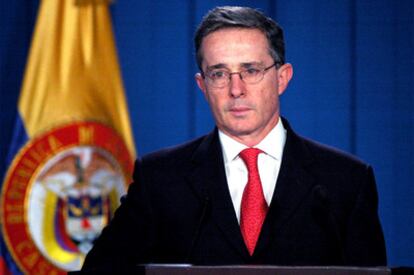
{"x":242,"y":65}
{"x":216,"y":66}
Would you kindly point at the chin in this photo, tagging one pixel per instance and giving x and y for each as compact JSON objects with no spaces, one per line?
{"x":240,"y":131}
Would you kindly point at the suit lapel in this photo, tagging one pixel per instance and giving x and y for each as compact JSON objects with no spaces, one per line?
{"x":209,"y":180}
{"x":294,"y":183}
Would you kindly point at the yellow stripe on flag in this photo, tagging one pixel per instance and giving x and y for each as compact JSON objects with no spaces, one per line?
{"x":72,"y":72}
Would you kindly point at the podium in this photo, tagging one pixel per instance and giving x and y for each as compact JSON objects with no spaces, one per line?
{"x":162,"y":269}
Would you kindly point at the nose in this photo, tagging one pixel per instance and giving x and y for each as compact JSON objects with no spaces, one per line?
{"x":237,"y":86}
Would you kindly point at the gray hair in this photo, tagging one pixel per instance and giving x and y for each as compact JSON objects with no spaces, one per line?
{"x":241,"y":17}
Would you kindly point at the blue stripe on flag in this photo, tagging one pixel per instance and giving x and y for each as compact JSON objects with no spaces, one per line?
{"x":19,"y":138}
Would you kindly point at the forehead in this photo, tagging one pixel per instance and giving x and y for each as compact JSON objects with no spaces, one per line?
{"x":233,"y":46}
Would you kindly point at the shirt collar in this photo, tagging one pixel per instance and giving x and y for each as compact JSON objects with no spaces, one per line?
{"x":272,"y":144}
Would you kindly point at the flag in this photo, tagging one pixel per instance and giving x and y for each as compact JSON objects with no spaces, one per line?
{"x":72,"y":152}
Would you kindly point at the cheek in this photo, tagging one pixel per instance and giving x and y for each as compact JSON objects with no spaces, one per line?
{"x":269,"y":103}
{"x":215,"y":103}
{"x":214,"y":99}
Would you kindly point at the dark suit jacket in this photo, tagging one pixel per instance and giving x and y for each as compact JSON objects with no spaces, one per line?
{"x":179,"y":210}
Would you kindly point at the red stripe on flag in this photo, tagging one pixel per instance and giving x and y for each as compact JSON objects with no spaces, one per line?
{"x":3,"y":267}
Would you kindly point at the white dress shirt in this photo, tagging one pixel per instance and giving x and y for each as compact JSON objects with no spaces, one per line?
{"x":268,"y":163}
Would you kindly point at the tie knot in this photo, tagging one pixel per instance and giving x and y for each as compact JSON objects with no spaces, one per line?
{"x":249,"y":156}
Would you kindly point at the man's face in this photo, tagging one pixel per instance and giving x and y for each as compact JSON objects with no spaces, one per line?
{"x":245,"y":112}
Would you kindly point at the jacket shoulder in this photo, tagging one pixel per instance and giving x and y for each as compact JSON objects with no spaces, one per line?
{"x":173,"y":153}
{"x":309,"y":151}
{"x":170,"y":161}
{"x":326,"y":153}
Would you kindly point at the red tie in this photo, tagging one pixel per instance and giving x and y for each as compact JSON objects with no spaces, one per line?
{"x":253,"y":205}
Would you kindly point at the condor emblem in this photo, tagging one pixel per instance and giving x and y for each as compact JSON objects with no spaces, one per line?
{"x":60,"y":191}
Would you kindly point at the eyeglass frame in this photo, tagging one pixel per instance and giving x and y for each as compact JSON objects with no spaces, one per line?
{"x":261,"y":71}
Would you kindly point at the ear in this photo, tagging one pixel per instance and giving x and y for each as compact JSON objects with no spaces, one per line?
{"x":285,"y":73}
{"x":200,"y":82}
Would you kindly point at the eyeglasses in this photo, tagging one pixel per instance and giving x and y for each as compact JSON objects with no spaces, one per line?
{"x":220,"y":78}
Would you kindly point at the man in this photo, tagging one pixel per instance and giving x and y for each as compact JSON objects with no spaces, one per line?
{"x":252,"y":191}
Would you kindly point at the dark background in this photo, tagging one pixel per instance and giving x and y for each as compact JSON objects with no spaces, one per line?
{"x":352,"y":86}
